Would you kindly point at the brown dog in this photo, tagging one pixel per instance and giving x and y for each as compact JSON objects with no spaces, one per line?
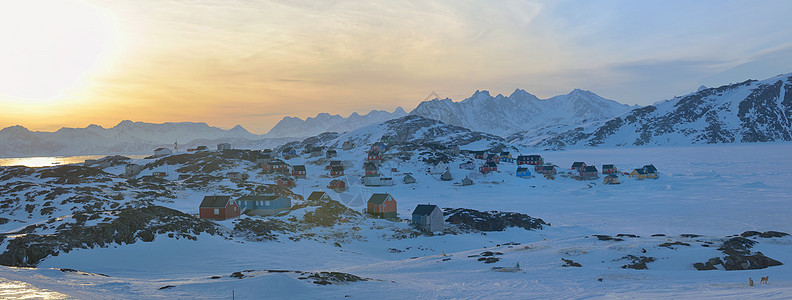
{"x":764,"y":279}
{"x":750,"y":281}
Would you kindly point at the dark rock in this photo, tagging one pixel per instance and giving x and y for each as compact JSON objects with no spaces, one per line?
{"x":167,"y":287}
{"x":603,"y":237}
{"x":638,"y":262}
{"x":627,"y":235}
{"x":690,"y":235}
{"x":773,"y":234}
{"x":677,"y":243}
{"x":658,"y":234}
{"x":704,"y":267}
{"x":570,"y":263}
{"x":750,"y":233}
{"x":492,"y":220}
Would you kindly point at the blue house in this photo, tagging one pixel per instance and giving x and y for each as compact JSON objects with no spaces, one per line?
{"x":523,"y":172}
{"x":263,"y":205}
{"x":288,"y":153}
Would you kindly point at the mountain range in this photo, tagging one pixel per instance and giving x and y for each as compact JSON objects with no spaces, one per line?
{"x":324,"y":122}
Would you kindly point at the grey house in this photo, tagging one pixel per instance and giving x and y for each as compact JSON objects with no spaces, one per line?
{"x":428,"y":218}
{"x":263,"y":205}
{"x":409,"y":179}
{"x":446,"y":176}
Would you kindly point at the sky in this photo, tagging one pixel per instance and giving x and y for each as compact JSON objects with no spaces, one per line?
{"x":229,"y":62}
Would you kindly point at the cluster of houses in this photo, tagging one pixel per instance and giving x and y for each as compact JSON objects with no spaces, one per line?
{"x":380,"y":205}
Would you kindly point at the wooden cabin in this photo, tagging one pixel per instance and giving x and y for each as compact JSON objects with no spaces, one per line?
{"x":218,"y":208}
{"x":382,"y":206}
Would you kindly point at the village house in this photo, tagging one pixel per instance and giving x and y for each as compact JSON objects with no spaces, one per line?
{"x":382,"y":206}
{"x":218,"y":208}
{"x":549,"y":171}
{"x":493,"y":158}
{"x":639,"y":174}
{"x":376,"y":180}
{"x":408,"y":179}
{"x":589,"y":172}
{"x":578,"y":166}
{"x":333,"y":163}
{"x":337,"y":185}
{"x":347,"y":145}
{"x":132,"y":170}
{"x":611,"y":179}
{"x":479,"y":154}
{"x":374,"y":155}
{"x":286,"y":182}
{"x":318,"y":196}
{"x":438,"y":168}
{"x":331,"y":153}
{"x":336,"y":171}
{"x":378,"y":147}
{"x":275,"y":166}
{"x":307,"y":148}
{"x":263,"y":205}
{"x":202,"y":148}
{"x":446,"y":176}
{"x":288,"y":153}
{"x":523,"y":172}
{"x":609,"y":169}
{"x":159,"y":174}
{"x":317,"y":151}
{"x":651,"y":170}
{"x":224,"y":146}
{"x":371,"y":169}
{"x":466,"y":181}
{"x":160,"y":152}
{"x":237,"y":176}
{"x":506,"y":157}
{"x":488,"y":167}
{"x":298,"y":171}
{"x":428,"y":218}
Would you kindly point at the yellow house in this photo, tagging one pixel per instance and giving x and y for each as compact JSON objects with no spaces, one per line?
{"x":611,"y":179}
{"x":639,"y":174}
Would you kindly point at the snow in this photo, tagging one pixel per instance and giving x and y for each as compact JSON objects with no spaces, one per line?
{"x":711,"y":190}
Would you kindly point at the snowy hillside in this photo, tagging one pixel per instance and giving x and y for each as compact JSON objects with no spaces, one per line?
{"x":324,"y":122}
{"x":750,"y":111}
{"x":520,"y":111}
{"x":126,"y":137}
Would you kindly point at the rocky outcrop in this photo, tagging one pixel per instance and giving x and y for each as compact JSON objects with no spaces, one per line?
{"x":126,"y":226}
{"x":738,"y":255}
{"x":491,"y":220}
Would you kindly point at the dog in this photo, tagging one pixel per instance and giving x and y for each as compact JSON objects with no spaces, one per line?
{"x":750,"y":281}
{"x":764,"y":279}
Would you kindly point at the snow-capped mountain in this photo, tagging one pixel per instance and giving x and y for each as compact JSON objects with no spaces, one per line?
{"x":520,"y":111}
{"x":126,"y":137}
{"x":750,"y":111}
{"x":324,"y":122}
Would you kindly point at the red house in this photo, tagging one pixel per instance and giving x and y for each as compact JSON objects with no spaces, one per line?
{"x":299,"y":171}
{"x":371,"y":170}
{"x":578,"y":165}
{"x":381,"y":205}
{"x":286,"y":182}
{"x":488,"y":167}
{"x":336,"y":171}
{"x":374,"y":155}
{"x":534,"y":160}
{"x":337,"y":185}
{"x":275,"y":166}
{"x":333,"y":163}
{"x":478,"y":154}
{"x":494,"y":158}
{"x":609,"y":169}
{"x":218,"y":208}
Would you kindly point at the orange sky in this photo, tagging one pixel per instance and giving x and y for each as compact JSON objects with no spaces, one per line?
{"x":228,"y":62}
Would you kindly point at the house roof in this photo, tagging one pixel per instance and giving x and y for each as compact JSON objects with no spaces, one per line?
{"x":545,"y":168}
{"x":408,"y":176}
{"x":424,"y":209}
{"x":578,"y":164}
{"x":332,"y":151}
{"x":299,"y":168}
{"x":371,"y":167}
{"x":378,"y":199}
{"x":640,"y":171}
{"x":590,"y":169}
{"x":613,"y":175}
{"x":275,"y":162}
{"x":335,"y":162}
{"x":490,"y":164}
{"x":316,"y":195}
{"x":215,"y":201}
{"x":505,"y":153}
{"x":336,"y":181}
{"x":607,"y":166}
{"x":522,"y":169}
{"x":337,"y":169}
{"x":650,"y":168}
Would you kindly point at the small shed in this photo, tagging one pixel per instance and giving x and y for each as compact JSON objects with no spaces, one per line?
{"x":446,"y":176}
{"x":523,"y":172}
{"x":381,"y":205}
{"x":428,"y":218}
{"x":408,"y":179}
{"x":318,"y":196}
{"x":218,"y":208}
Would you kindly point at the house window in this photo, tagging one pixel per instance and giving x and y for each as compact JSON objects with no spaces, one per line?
{"x":216,"y":211}
{"x":267,"y":203}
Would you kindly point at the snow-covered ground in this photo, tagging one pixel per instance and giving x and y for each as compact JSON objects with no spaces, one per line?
{"x":709,"y":190}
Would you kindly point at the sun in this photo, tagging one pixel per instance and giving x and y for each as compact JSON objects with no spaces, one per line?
{"x":50,"y":46}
